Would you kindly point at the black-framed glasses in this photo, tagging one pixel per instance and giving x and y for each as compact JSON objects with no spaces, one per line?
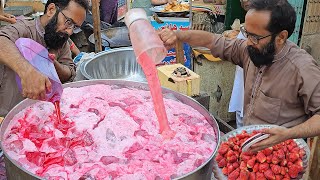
{"x":69,"y":23}
{"x":252,"y":37}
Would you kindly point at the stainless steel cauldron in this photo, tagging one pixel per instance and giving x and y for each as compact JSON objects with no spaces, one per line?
{"x":203,"y":172}
{"x":117,"y":63}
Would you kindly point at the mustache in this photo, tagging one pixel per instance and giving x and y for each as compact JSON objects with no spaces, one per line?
{"x":263,"y":57}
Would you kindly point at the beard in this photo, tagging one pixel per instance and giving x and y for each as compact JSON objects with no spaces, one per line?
{"x":54,"y":40}
{"x":263,"y":57}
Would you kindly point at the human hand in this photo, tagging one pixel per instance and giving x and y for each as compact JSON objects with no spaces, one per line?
{"x":34,"y":84}
{"x":8,"y":18}
{"x":168,"y":37}
{"x":277,"y":135}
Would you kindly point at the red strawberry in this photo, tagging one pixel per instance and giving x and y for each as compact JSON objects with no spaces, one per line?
{"x":230,"y":168}
{"x":236,"y":148}
{"x":248,"y":153}
{"x":234,"y":174}
{"x":255,"y":168}
{"x":243,"y":166}
{"x":283,"y":162}
{"x":236,"y":153}
{"x":225,"y":171}
{"x":251,"y":162}
{"x":222,"y":163}
{"x":267,"y":151}
{"x":236,"y":164}
{"x":276,"y":169}
{"x":244,"y":175}
{"x":261,"y":157}
{"x":263,"y":167}
{"x":299,"y":163}
{"x":252,"y":176}
{"x":218,"y":158}
{"x":279,"y":177}
{"x":289,"y":164}
{"x":260,"y":176}
{"x":293,"y":157}
{"x":283,"y":171}
{"x":230,"y":153}
{"x":232,"y":159}
{"x":275,"y":159}
{"x":245,"y":158}
{"x":269,"y":159}
{"x":294,"y":171}
{"x":286,"y":176}
{"x":295,"y":150}
{"x":302,"y":153}
{"x":281,"y":154}
{"x":269,"y":175}
{"x":223,"y":149}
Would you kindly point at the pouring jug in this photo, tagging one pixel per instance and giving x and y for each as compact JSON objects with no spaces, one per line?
{"x":38,"y":57}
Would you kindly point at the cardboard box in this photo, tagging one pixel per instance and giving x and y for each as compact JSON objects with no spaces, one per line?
{"x":189,"y":86}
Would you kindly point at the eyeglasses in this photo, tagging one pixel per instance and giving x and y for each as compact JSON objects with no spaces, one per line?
{"x":252,"y":37}
{"x":69,"y":23}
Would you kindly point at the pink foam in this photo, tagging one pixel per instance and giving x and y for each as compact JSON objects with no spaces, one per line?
{"x":108,"y":132}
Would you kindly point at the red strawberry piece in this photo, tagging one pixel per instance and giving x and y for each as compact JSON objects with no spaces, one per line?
{"x":243,"y":166}
{"x":263,"y":167}
{"x":275,"y":159}
{"x":290,"y":147}
{"x":230,"y":153}
{"x":283,"y":171}
{"x":234,"y":174}
{"x":218,"y":158}
{"x":252,"y":176}
{"x":245,"y":158}
{"x":236,"y":153}
{"x":230,"y":168}
{"x":269,"y":175}
{"x":222,"y":163}
{"x":260,"y":176}
{"x":232,"y":159}
{"x":248,"y":153}
{"x":302,"y":153}
{"x":261,"y":157}
{"x":269,"y":159}
{"x":236,"y":164}
{"x":293,"y":157}
{"x":294,"y":171}
{"x":223,"y":149}
{"x":244,"y":175}
{"x":299,"y":163}
{"x":256,"y":167}
{"x":236,"y":148}
{"x":276,"y":169}
{"x":295,"y":150}
{"x":285,"y":149}
{"x":281,"y":154}
{"x":289,"y":164}
{"x":251,"y":162}
{"x":268,"y":151}
{"x":283,"y":162}
{"x":286,"y":176}
{"x":225,"y":171}
{"x":279,"y":177}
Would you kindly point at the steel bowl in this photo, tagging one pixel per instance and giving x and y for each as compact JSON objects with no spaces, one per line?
{"x":203,"y":172}
{"x":117,"y":63}
{"x":300,"y":142}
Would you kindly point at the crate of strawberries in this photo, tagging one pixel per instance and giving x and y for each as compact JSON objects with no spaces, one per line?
{"x":287,"y":160}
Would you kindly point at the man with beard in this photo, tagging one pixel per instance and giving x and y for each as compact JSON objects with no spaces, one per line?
{"x":51,"y":30}
{"x":281,"y":81}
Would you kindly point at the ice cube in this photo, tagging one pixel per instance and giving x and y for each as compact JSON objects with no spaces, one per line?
{"x":70,"y":158}
{"x":208,"y":138}
{"x":87,"y":177}
{"x":94,"y":110}
{"x":106,"y":160}
{"x":16,"y":146}
{"x":110,"y":136}
{"x":135,"y":147}
{"x":37,"y":158}
{"x":141,"y":132}
{"x":87,"y":139}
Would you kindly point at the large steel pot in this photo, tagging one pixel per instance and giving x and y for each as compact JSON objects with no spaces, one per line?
{"x":117,"y":63}
{"x":203,"y":172}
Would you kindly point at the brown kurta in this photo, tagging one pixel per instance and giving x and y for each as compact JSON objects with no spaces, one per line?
{"x":9,"y":93}
{"x":286,"y":93}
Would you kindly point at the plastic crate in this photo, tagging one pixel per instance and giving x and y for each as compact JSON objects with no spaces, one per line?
{"x":18,"y":10}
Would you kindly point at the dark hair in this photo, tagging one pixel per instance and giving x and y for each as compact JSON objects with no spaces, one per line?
{"x":283,"y":15}
{"x":62,"y":4}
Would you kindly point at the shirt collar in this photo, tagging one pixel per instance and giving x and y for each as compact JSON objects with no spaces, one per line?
{"x":39,"y":27}
{"x":283,"y":52}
